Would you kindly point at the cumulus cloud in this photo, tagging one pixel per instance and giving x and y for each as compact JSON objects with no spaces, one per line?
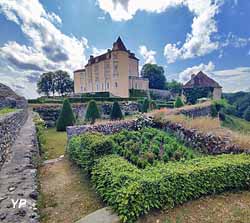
{"x":185,"y":75}
{"x":48,"y":47}
{"x":98,"y":52}
{"x":197,"y":43}
{"x":147,"y":55}
{"x":232,"y":80}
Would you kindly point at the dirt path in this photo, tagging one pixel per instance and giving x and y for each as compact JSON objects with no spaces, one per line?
{"x":66,"y":193}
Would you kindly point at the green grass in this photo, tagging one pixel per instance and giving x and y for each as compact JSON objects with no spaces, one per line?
{"x":236,"y":124}
{"x":55,"y":143}
{"x":4,"y":111}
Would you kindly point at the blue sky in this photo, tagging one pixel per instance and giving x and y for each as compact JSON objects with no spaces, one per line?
{"x":184,"y":36}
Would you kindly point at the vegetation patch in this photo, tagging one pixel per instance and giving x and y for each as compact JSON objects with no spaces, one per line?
{"x":5,"y":111}
{"x":133,"y":192}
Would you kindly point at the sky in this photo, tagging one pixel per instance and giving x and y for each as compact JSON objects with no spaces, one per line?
{"x":183,"y":36}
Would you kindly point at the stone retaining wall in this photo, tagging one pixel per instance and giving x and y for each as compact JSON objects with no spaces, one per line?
{"x":50,"y":113}
{"x":10,"y":125}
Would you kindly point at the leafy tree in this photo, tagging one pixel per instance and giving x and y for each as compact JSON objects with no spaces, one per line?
{"x":66,"y":117}
{"x":174,"y":87}
{"x":116,"y":112}
{"x":247,"y":114}
{"x":145,"y":105}
{"x":178,"y":103}
{"x":45,"y":84}
{"x":155,"y":74}
{"x":92,"y":112}
{"x":63,"y":82}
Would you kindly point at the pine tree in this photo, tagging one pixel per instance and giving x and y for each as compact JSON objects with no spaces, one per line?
{"x":116,"y":112}
{"x":178,"y":103}
{"x":247,"y":114}
{"x":145,"y":105}
{"x":92,"y":112}
{"x":66,"y":117}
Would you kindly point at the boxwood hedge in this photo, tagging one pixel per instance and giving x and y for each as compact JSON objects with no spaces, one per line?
{"x":133,"y":192}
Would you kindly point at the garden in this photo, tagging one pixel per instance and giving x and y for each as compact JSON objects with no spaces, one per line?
{"x":139,"y":171}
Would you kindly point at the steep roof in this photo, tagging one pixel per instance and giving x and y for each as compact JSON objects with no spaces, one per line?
{"x":201,"y":80}
{"x":117,"y":45}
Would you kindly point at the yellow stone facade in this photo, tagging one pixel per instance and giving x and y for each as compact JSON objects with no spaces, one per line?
{"x":115,"y":71}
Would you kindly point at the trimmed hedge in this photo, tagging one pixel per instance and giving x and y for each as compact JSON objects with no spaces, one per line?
{"x":133,"y":192}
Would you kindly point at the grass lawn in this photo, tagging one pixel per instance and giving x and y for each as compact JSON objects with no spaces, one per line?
{"x":4,"y":111}
{"x":224,"y":208}
{"x":55,"y":143}
{"x":238,"y":124}
{"x":65,"y":192}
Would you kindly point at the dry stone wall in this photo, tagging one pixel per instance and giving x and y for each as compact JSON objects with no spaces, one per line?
{"x":50,"y":113}
{"x":10,"y":125}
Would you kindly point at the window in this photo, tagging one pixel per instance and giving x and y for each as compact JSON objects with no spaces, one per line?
{"x":116,"y":84}
{"x":108,"y":85}
{"x":115,"y":68}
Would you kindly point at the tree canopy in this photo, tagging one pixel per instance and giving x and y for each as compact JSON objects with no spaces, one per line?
{"x":55,"y":82}
{"x":155,"y":74}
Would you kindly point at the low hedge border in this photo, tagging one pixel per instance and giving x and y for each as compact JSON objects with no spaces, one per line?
{"x":133,"y":192}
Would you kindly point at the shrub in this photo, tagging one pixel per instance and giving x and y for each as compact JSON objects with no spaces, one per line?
{"x":92,"y":112}
{"x":152,"y":105}
{"x":222,"y":116}
{"x":116,"y":112}
{"x":145,"y":105}
{"x":66,"y":117}
{"x":178,"y":103}
{"x":84,"y":149}
{"x":133,"y":192}
{"x":214,"y":112}
{"x":247,"y":114}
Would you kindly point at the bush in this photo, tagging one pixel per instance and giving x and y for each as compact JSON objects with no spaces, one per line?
{"x":247,"y":114}
{"x":84,"y":149}
{"x":133,"y":192}
{"x":66,"y":117}
{"x":116,"y":112}
{"x":145,"y":105}
{"x":178,"y":103}
{"x":92,"y":112}
{"x":214,"y":112}
{"x":152,"y":105}
{"x":138,"y":93}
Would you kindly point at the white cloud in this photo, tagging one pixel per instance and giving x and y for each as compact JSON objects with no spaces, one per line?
{"x":147,"y":55}
{"x":198,"y":42}
{"x":185,"y":75}
{"x":48,"y":48}
{"x":232,"y":80}
{"x":98,"y":52}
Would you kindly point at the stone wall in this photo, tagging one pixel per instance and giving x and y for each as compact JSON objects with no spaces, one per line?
{"x":10,"y":125}
{"x":196,"y":111}
{"x":49,"y":113}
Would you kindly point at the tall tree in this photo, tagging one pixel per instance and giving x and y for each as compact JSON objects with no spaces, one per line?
{"x":174,"y":87}
{"x":155,"y":74}
{"x":63,"y":82}
{"x":45,"y":84}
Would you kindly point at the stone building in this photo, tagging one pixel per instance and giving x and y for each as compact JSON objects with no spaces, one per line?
{"x":202,"y":86}
{"x":115,"y":71}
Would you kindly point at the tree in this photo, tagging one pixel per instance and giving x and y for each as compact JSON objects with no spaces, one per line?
{"x":45,"y":84}
{"x":155,"y":74}
{"x":63,"y":82}
{"x":174,"y":87}
{"x":116,"y":112}
{"x":92,"y":112}
{"x":145,"y":105}
{"x":66,"y":117}
{"x":178,"y":103}
{"x":247,"y":114}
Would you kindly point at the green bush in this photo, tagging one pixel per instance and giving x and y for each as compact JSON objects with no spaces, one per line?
{"x":147,"y":145}
{"x":116,"y":112}
{"x":152,"y":105}
{"x":66,"y":117}
{"x":137,"y":93}
{"x":92,"y":112}
{"x":247,"y":114}
{"x":84,"y":149}
{"x":132,"y":192}
{"x":178,"y":103}
{"x":145,"y":105}
{"x":214,"y":112}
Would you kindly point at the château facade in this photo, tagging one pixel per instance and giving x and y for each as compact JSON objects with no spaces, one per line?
{"x":115,"y":71}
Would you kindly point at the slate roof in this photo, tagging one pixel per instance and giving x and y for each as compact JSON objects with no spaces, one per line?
{"x":201,"y":80}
